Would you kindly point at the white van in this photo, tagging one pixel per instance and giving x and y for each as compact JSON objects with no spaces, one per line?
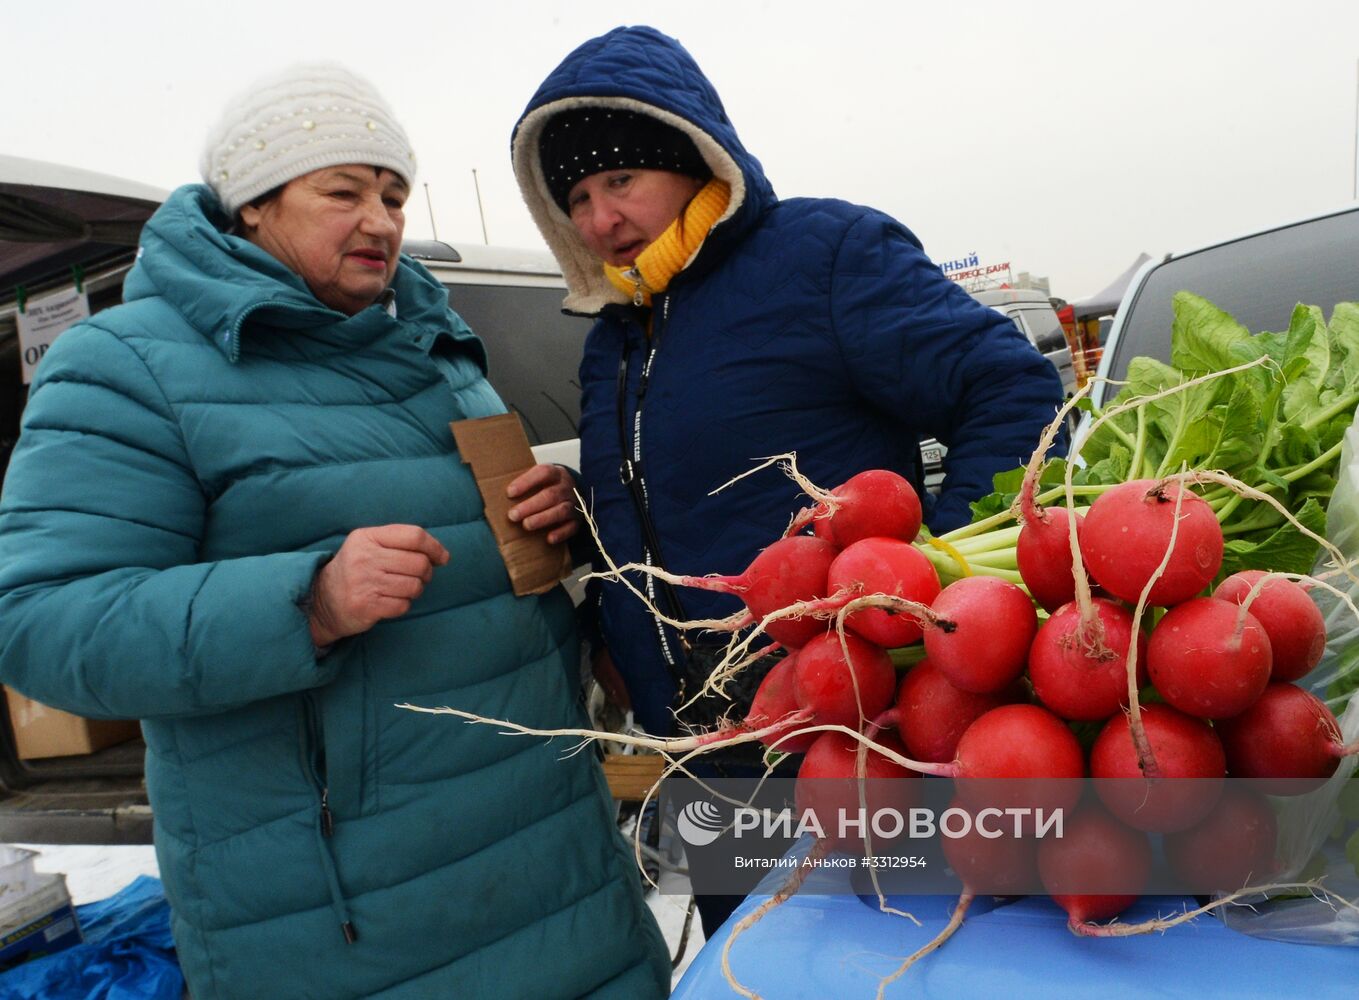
{"x":512,"y":300}
{"x":1032,"y":312}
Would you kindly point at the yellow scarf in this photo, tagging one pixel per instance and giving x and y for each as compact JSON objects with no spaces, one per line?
{"x":667,"y":255}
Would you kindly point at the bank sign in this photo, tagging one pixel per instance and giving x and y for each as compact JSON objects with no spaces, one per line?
{"x":970,"y":269}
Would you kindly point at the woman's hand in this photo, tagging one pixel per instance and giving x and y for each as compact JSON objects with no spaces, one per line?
{"x":376,"y":574}
{"x":547,"y":495}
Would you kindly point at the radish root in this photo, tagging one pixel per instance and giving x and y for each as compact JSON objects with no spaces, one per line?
{"x":1146,"y":758}
{"x":704,"y":742}
{"x":1160,"y":925}
{"x":954,"y":922}
{"x":1025,"y":506}
{"x":794,"y":883}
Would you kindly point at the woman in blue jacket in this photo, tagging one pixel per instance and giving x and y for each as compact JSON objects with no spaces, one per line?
{"x":236,"y":512}
{"x":732,"y":326}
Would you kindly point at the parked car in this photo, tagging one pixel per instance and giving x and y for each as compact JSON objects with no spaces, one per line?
{"x":1032,"y":312}
{"x":1258,"y":278}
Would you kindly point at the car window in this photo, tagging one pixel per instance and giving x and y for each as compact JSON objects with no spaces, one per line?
{"x":1045,"y":330}
{"x":1258,"y":280}
{"x":533,"y":350}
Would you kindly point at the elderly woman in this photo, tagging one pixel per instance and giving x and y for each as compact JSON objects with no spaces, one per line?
{"x":236,"y":513}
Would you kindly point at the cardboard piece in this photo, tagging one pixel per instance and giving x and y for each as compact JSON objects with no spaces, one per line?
{"x":498,"y":450}
{"x":632,"y":776}
{"x":42,"y":731}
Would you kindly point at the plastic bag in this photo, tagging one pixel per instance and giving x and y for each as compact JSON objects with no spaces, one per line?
{"x":1313,"y":832}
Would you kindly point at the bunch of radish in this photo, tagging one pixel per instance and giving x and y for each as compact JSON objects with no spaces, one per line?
{"x":1206,"y":694}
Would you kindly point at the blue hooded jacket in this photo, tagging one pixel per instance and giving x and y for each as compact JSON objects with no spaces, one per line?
{"x":803,"y":325}
{"x":187,"y":462}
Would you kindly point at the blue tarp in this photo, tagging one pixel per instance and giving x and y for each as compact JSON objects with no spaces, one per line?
{"x":128,"y":954}
{"x":818,"y":945}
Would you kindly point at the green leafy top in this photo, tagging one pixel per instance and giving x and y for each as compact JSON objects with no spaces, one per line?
{"x":1277,"y":426}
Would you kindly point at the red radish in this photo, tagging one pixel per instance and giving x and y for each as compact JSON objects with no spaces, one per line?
{"x":877,"y":503}
{"x":1190,"y":767}
{"x":883,"y":566}
{"x":993,"y":624}
{"x":776,"y":698}
{"x":824,"y":685}
{"x":790,"y":571}
{"x":1293,"y":622}
{"x":1020,"y":742}
{"x":1209,"y":658}
{"x":1079,"y":682}
{"x":1027,"y":746}
{"x":1232,"y":847}
{"x":1010,"y":742}
{"x":828,"y":786}
{"x":1043,"y":553}
{"x":1004,"y":865}
{"x":932,"y":714}
{"x":1096,"y":869}
{"x":1126,"y":534}
{"x":1289,"y":737}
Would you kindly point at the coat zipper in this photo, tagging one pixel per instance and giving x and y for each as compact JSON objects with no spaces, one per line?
{"x":634,"y":275}
{"x":316,"y":765}
{"x":314,"y":743}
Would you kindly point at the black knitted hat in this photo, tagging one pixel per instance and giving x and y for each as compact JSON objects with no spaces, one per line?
{"x":584,"y":141}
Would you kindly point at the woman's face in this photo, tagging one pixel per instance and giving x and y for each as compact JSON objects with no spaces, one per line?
{"x":339,"y":228}
{"x":619,"y":213}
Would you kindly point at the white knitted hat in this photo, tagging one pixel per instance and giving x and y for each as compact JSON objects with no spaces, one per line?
{"x":303,"y":119}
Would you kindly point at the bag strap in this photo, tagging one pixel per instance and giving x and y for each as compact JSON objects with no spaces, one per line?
{"x":631,"y":476}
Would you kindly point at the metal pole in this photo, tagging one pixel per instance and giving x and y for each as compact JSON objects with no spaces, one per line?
{"x":484,"y":238}
{"x":430,"y":205}
{"x":1356,"y":131}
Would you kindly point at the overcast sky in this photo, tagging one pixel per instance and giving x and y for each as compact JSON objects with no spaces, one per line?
{"x":1061,"y":137}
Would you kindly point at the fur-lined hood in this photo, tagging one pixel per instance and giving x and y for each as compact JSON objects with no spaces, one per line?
{"x":641,"y":70}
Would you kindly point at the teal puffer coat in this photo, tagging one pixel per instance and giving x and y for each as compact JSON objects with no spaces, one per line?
{"x":187,"y":462}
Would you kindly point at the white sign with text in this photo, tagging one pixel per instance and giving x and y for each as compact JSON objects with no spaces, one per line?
{"x":43,"y":319}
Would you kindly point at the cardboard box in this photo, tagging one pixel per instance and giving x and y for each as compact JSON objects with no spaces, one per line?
{"x":37,"y":921}
{"x":42,"y":731}
{"x":498,"y":450}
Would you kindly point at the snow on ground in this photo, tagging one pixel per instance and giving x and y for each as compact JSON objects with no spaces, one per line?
{"x":97,"y":871}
